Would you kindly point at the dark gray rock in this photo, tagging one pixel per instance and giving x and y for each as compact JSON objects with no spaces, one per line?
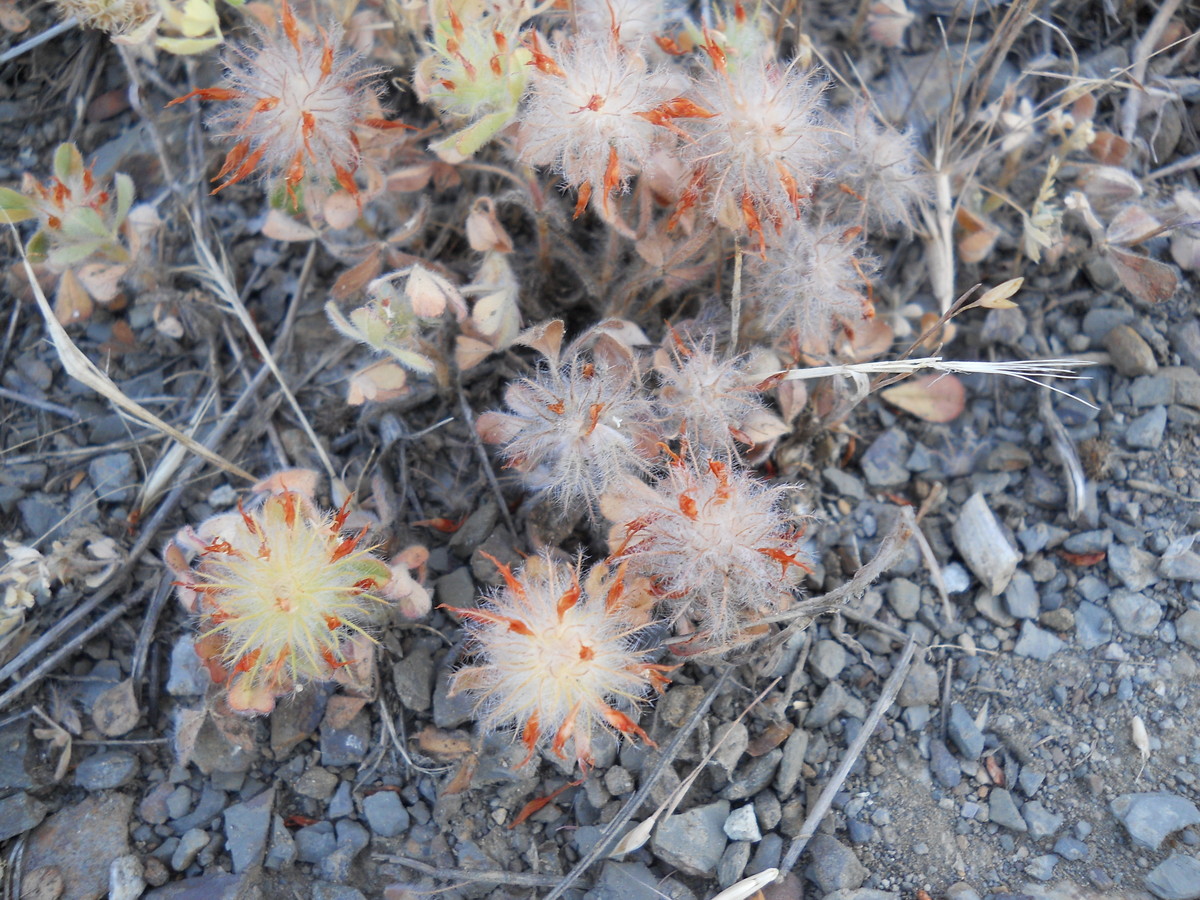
{"x":190,"y":844}
{"x":964,"y":734}
{"x":1187,"y":628}
{"x":827,"y":659}
{"x":943,"y":765}
{"x":1149,"y":817}
{"x":1030,"y":780}
{"x":753,"y":776}
{"x":1146,"y":431}
{"x":315,"y":842}
{"x":341,"y":804}
{"x":1152,"y":390}
{"x":635,"y":881}
{"x":766,"y":856}
{"x":247,"y":825}
{"x":1042,"y":867}
{"x":210,"y":886}
{"x":834,"y":866}
{"x":1042,"y":823}
{"x":105,"y":771}
{"x":1071,"y":849}
{"x":844,"y":483}
{"x":351,"y":839}
{"x":385,"y":813}
{"x":14,"y":745}
{"x":317,"y":782}
{"x":1036,"y":643}
{"x":188,"y":677}
{"x":208,"y":807}
{"x":1021,"y":596}
{"x":920,"y":686}
{"x":693,"y":841}
{"x":1095,"y":541}
{"x":828,"y":706}
{"x":1135,"y":568}
{"x":1097,"y":323}
{"x":1176,"y":878}
{"x":883,"y":463}
{"x":733,"y":863}
{"x":1094,"y":625}
{"x":345,"y":746}
{"x":282,"y":852}
{"x":1003,"y":810}
{"x":324,"y":890}
{"x":112,"y":477}
{"x":19,"y":813}
{"x":904,"y":597}
{"x":413,"y":677}
{"x":1137,"y":614}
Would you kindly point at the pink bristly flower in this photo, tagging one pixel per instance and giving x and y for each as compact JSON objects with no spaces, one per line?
{"x":591,"y":115}
{"x":714,"y":539}
{"x":575,"y":427}
{"x":815,"y":283}
{"x":295,"y":102}
{"x":556,"y":659}
{"x":755,"y":158}
{"x":283,"y":597}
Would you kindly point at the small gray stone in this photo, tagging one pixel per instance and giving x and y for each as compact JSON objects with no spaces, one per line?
{"x":1030,"y":780}
{"x":920,"y":686}
{"x":125,"y":878}
{"x":944,"y":766}
{"x":351,"y":839}
{"x":1094,"y":541}
{"x":1185,"y":340}
{"x":1135,"y":568}
{"x":1071,"y":849}
{"x":693,"y":841}
{"x":1137,"y":614}
{"x":742,"y":825}
{"x":955,"y":578}
{"x":1152,"y":390}
{"x":1036,"y":643}
{"x":767,"y":855}
{"x":112,"y":477}
{"x":413,"y":677}
{"x":733,"y":740}
{"x":733,"y":863}
{"x":982,"y":544}
{"x":1176,"y":878}
{"x":1094,"y":625}
{"x":635,"y":881}
{"x":1131,"y":355}
{"x":283,"y":847}
{"x":474,"y":531}
{"x":862,"y":894}
{"x":1042,"y":867}
{"x":105,"y":771}
{"x":456,"y":589}
{"x":1042,"y":823}
{"x":791,"y":762}
{"x":188,"y":677}
{"x":450,"y":709}
{"x":1097,"y":323}
{"x":19,"y":813}
{"x":1021,"y":596}
{"x":324,"y":890}
{"x":963,"y":732}
{"x":345,"y":746}
{"x":1146,"y":431}
{"x":827,"y":659}
{"x":989,"y":606}
{"x":883,"y":463}
{"x":210,"y":805}
{"x":844,"y":483}
{"x":190,"y":844}
{"x":961,"y":891}
{"x":904,"y":597}
{"x":834,"y":866}
{"x":317,"y":782}
{"x":753,"y":776}
{"x":1149,"y":817}
{"x":828,"y":706}
{"x":1187,"y":628}
{"x":385,"y":813}
{"x":315,"y":842}
{"x":1181,"y":566}
{"x":1003,"y":810}
{"x":246,"y":827}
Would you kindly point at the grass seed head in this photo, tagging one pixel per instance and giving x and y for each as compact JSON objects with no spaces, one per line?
{"x":556,"y":658}
{"x":283,"y":598}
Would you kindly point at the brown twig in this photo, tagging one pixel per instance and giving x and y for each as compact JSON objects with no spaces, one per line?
{"x":890,"y":688}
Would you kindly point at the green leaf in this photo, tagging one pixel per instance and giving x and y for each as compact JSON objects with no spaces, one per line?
{"x":68,"y":255}
{"x":84,"y":223}
{"x":37,"y":247}
{"x":15,"y":207}
{"x":124,"y":198}
{"x":68,"y":162}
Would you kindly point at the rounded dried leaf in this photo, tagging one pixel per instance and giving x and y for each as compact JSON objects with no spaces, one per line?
{"x":934,"y":398}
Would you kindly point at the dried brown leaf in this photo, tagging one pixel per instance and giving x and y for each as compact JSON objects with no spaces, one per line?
{"x":934,"y":398}
{"x":1148,"y":280}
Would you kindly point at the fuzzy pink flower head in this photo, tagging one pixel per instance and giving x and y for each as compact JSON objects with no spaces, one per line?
{"x":589,"y":115}
{"x":814,"y":282}
{"x":294,"y":103}
{"x":710,"y":401}
{"x":877,"y":169}
{"x":556,"y":658}
{"x":576,"y":426}
{"x":283,"y":598}
{"x":720,"y":549}
{"x":755,"y":159}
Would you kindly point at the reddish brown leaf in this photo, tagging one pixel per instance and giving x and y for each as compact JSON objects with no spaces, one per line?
{"x":534,"y":805}
{"x":1083,"y":559}
{"x":1148,"y":280}
{"x":774,"y":735}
